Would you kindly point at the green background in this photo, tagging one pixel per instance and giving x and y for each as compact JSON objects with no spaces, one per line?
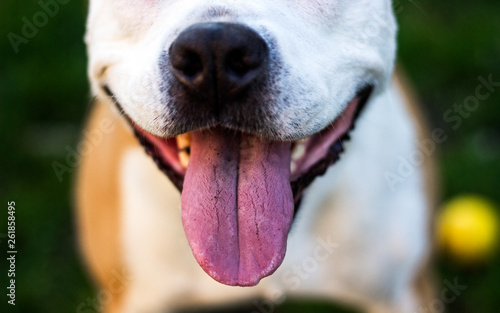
{"x":44,"y":97}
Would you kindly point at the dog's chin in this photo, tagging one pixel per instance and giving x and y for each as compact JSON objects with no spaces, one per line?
{"x":240,"y":191}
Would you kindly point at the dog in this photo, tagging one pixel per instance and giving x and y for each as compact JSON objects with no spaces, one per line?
{"x":254,"y":144}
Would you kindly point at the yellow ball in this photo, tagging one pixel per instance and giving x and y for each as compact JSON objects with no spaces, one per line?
{"x":468,"y":228}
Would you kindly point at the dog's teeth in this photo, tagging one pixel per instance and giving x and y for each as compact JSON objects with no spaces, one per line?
{"x":293,"y":166}
{"x":184,"y":158}
{"x":183,"y":145}
{"x":298,"y":151}
{"x":184,"y":141}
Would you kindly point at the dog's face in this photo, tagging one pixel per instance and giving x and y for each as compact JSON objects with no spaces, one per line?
{"x":242,"y":104}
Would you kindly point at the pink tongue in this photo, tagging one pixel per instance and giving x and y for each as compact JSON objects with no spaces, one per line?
{"x":237,"y":205}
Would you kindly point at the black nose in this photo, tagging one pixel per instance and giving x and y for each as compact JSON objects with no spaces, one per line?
{"x":218,"y":59}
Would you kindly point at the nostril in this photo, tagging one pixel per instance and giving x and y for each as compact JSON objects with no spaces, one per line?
{"x":186,"y":63}
{"x":191,"y":64}
{"x":239,"y":62}
{"x":244,"y":61}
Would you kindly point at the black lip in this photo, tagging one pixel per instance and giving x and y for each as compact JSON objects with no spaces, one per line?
{"x":298,"y":185}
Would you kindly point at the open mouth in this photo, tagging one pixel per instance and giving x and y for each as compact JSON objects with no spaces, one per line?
{"x":310,"y":157}
{"x":240,"y":192}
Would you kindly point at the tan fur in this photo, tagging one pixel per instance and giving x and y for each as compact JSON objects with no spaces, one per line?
{"x":98,"y":204}
{"x":425,"y":287}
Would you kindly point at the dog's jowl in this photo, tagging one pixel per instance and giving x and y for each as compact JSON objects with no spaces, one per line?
{"x":250,"y":146}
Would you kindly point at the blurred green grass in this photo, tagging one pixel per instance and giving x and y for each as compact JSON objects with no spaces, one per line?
{"x":44,"y":97}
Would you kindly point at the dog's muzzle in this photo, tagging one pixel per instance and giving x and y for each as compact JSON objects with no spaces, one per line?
{"x":218,"y":60}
